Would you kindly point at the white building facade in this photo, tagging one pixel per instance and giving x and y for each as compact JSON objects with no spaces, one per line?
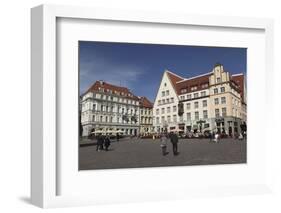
{"x":215,"y":101}
{"x":109,"y":108}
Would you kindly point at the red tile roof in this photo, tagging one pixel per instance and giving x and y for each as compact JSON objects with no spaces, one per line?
{"x":180,"y":83}
{"x":197,"y":81}
{"x":174,"y":78}
{"x":112,"y":89}
{"x":239,"y":80}
{"x":144,"y":102}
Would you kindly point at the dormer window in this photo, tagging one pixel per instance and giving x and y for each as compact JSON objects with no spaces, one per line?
{"x":193,"y":88}
{"x":183,"y":90}
{"x":204,"y":86}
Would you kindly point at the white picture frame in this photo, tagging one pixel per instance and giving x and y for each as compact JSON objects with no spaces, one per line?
{"x":44,"y":154}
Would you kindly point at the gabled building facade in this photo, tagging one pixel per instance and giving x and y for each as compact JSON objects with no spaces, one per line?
{"x":215,"y":101}
{"x":146,"y":116}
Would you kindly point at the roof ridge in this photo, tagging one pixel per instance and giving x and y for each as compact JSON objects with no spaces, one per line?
{"x":173,"y":74}
{"x":198,"y":76}
{"x":115,"y":85}
{"x":237,"y":74}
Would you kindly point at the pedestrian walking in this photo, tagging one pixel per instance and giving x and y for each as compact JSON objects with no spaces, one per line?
{"x":174,"y":141}
{"x":210,"y":136}
{"x":216,"y":137}
{"x":107,"y":143}
{"x":163,"y":145}
{"x":240,"y":136}
{"x":99,"y":143}
{"x":117,"y":137}
{"x":102,"y":142}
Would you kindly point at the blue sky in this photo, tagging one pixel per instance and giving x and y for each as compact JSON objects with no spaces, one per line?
{"x":140,"y":66}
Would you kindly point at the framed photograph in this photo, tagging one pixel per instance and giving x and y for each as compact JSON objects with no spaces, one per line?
{"x":130,"y":106}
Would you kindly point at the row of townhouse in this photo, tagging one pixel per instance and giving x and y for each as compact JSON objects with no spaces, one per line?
{"x":215,"y":101}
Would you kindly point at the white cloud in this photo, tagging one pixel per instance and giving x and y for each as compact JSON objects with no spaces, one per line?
{"x":99,"y":69}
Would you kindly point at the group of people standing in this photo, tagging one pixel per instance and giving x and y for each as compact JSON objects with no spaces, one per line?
{"x":174,"y":141}
{"x":103,"y":142}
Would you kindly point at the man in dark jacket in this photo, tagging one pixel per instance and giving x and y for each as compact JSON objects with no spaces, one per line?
{"x":174,"y":141}
{"x":99,"y":143}
{"x":107,"y":143}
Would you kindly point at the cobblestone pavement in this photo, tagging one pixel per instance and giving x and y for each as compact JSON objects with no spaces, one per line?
{"x":138,"y":153}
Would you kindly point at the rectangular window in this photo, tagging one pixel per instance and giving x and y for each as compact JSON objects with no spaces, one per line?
{"x":159,"y":102}
{"x":205,"y":114}
{"x":188,"y":106}
{"x":101,"y":118}
{"x":167,"y":92}
{"x":169,"y":118}
{"x":216,"y":91}
{"x":216,"y":101}
{"x":204,"y":103}
{"x":168,"y":109}
{"x":188,"y":96}
{"x":196,"y":104}
{"x":157,"y":120}
{"x":223,"y":110}
{"x":203,"y":94}
{"x":188,"y":116}
{"x":222,"y":89}
{"x":217,"y":113}
{"x":162,"y":119}
{"x":218,"y":80}
{"x":172,"y":100}
{"x":174,"y":108}
{"x":196,"y":115}
{"x":195,"y":95}
{"x":174,"y":118}
{"x":162,"y":110}
{"x":163,"y":93}
{"x":182,"y":97}
{"x":223,"y":100}
{"x":181,"y":118}
{"x":94,"y":118}
{"x":94,"y":107}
